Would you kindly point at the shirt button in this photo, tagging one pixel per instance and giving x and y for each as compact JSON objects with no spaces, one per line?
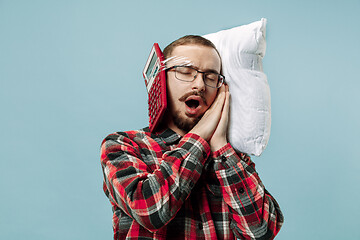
{"x":204,"y":155}
{"x":200,"y":226}
{"x":241,"y":190}
{"x":223,"y":158}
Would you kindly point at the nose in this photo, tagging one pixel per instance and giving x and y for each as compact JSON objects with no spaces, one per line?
{"x":198,"y":82}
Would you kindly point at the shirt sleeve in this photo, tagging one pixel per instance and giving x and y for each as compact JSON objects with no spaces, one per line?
{"x":151,"y":194}
{"x":254,"y":213}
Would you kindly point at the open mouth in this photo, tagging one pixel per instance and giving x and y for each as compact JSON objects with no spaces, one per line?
{"x":193,"y":104}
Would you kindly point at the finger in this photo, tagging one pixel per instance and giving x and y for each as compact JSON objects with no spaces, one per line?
{"x":226,"y":108}
{"x":210,"y":120}
{"x":220,"y":98}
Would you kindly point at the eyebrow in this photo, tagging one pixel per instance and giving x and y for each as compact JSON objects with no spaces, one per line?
{"x":212,"y":71}
{"x":209,"y":70}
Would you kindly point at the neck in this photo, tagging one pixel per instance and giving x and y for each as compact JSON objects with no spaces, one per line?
{"x":169,"y":123}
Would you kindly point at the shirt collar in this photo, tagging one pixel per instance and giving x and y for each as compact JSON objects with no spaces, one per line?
{"x":169,"y":136}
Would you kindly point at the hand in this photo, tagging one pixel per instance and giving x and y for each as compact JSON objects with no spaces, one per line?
{"x":219,"y":138}
{"x":213,"y":117}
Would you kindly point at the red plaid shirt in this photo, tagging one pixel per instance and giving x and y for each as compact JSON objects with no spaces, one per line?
{"x":165,"y":186}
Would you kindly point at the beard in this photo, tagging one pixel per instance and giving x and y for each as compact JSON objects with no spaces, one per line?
{"x":184,"y":123}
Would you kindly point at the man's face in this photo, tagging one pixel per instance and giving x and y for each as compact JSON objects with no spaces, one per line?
{"x":188,"y":101}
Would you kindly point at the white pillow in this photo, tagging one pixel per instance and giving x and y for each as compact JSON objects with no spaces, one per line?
{"x":242,"y":49}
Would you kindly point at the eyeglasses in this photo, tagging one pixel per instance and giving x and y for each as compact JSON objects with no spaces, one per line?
{"x":189,"y":74}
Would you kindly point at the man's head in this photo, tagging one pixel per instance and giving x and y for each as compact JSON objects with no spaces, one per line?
{"x":188,"y":101}
{"x":188,"y":40}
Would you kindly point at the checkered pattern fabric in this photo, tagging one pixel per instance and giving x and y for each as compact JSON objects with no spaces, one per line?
{"x":164,"y":186}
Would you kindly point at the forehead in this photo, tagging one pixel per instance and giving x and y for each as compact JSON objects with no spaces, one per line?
{"x":202,"y":57}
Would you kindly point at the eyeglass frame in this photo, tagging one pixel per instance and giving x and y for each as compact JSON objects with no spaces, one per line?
{"x":221,"y":77}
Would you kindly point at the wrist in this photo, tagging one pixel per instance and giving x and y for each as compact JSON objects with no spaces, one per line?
{"x":200,"y":133}
{"x":215,"y":146}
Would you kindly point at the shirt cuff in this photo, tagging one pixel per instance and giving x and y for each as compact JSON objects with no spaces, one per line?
{"x":196,"y":145}
{"x":221,"y":151}
{"x":226,"y":157}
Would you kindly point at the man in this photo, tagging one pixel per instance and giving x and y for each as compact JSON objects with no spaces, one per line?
{"x":185,"y":181}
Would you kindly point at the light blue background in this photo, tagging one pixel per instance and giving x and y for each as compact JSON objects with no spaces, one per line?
{"x":70,"y":74}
